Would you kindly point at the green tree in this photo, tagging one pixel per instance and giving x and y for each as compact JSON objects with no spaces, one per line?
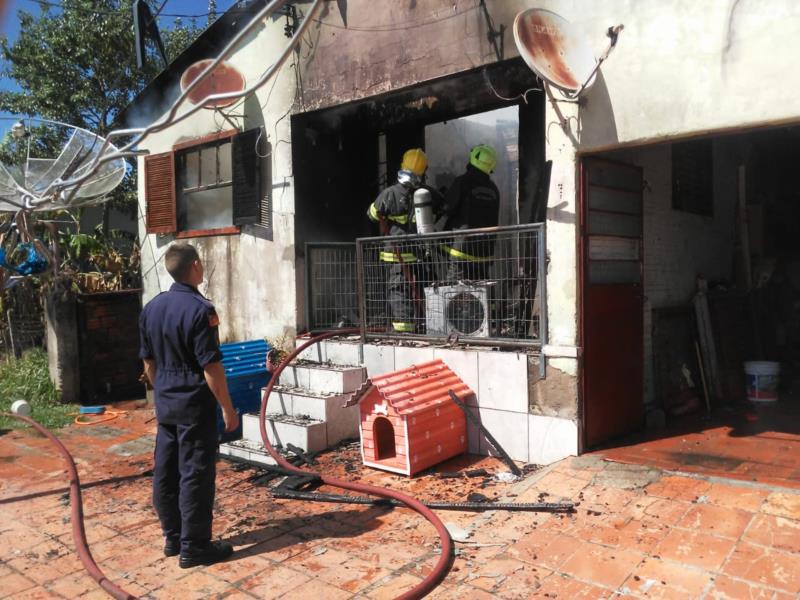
{"x":77,"y":64}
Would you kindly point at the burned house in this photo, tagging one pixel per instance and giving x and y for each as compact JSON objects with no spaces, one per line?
{"x":668,"y":176}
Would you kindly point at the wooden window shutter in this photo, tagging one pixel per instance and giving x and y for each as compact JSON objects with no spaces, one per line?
{"x":265,"y":209}
{"x":159,"y":193}
{"x":246,"y":164}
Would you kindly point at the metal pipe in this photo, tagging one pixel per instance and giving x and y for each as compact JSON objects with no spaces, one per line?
{"x":440,"y":569}
{"x":285,"y":494}
{"x":472,"y":341}
{"x":76,"y":503}
{"x":459,"y":232}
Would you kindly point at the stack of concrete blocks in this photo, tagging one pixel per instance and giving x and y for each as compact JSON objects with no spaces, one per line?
{"x":330,"y":371}
{"x":502,"y":386}
{"x":305,"y":409}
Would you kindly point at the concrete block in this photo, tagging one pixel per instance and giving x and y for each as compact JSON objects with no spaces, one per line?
{"x":342,"y":423}
{"x":331,"y":379}
{"x":308,"y":434}
{"x":335,"y":379}
{"x":464,"y":363}
{"x":503,"y":381}
{"x":314,"y":353}
{"x":378,"y":359}
{"x":280,"y":400}
{"x":295,"y":376}
{"x":248,"y":451}
{"x":510,"y":429}
{"x":551,"y":439}
{"x":343,"y":353}
{"x":405,"y":356}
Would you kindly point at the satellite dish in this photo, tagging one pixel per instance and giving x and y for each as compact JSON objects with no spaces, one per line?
{"x":50,"y":155}
{"x":224,"y":79}
{"x":555,"y":50}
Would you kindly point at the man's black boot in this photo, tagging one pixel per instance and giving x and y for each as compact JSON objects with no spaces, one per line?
{"x":214,"y":552}
{"x":172,"y":546}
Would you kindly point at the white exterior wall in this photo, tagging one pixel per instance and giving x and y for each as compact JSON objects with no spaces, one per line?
{"x":251,"y":280}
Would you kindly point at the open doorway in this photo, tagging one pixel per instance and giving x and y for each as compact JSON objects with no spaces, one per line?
{"x":720,"y":342}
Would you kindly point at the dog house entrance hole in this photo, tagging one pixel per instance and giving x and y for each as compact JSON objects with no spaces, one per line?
{"x":384,"y":438}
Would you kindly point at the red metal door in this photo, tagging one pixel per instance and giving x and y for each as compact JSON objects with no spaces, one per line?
{"x":612,"y":299}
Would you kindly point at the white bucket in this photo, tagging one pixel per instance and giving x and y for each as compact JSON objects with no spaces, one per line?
{"x":762,"y":380}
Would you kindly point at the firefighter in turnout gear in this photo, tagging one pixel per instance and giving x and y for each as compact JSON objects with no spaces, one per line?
{"x":473,"y":201}
{"x":394,"y":210}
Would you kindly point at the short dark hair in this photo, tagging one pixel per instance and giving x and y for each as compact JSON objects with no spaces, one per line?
{"x":179,"y":258}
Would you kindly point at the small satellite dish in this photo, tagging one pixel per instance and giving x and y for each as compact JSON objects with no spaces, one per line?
{"x":50,"y":155}
{"x":225,"y":78}
{"x":555,"y":50}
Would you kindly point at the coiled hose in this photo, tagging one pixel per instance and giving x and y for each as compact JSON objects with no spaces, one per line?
{"x":440,"y":570}
{"x":76,"y":503}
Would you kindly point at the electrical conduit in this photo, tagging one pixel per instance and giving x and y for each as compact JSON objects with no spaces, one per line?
{"x":440,"y":570}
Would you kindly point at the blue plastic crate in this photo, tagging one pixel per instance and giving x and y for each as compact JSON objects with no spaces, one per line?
{"x":246,"y":371}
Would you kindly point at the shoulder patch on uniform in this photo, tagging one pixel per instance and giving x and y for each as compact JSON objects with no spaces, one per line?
{"x":213,"y":318}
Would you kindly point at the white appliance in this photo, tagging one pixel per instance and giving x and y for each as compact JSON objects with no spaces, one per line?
{"x":458,"y":309}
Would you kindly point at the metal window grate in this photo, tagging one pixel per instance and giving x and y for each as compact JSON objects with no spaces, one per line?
{"x":477,"y":285}
{"x":331,"y":286}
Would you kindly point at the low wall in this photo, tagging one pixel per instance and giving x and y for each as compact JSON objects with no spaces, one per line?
{"x":506,"y":385}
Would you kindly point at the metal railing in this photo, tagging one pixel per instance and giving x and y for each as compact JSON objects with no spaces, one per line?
{"x":482,"y":286}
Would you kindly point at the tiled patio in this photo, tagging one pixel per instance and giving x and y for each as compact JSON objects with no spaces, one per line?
{"x":637,"y":533}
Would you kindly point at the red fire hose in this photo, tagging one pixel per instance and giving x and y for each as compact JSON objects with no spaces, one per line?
{"x":78,"y":530}
{"x":440,"y":570}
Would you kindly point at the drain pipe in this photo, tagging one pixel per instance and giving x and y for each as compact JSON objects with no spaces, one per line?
{"x":440,"y":570}
{"x":76,"y":503}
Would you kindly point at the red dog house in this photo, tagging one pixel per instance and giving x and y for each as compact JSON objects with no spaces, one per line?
{"x":408,"y":420}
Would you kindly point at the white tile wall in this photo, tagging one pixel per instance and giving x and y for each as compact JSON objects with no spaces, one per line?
{"x":510,"y":429}
{"x":463,"y":363}
{"x":503,"y":381}
{"x":405,"y":356}
{"x":378,"y":359}
{"x":551,"y":439}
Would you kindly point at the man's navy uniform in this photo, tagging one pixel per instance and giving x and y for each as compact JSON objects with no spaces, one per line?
{"x":179,"y":331}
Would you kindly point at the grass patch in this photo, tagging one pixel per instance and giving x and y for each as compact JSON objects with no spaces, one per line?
{"x":27,"y":378}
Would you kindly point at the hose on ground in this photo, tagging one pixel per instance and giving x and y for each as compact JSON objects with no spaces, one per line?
{"x":76,"y":503}
{"x":440,"y":569}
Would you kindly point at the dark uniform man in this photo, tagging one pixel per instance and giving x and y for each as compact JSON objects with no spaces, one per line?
{"x":180,"y":349}
{"x":395,"y":208}
{"x":473,"y":201}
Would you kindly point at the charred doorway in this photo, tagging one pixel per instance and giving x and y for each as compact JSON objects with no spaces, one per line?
{"x":344,"y":155}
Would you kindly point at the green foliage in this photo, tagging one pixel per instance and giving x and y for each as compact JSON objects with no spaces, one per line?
{"x":27,"y":379}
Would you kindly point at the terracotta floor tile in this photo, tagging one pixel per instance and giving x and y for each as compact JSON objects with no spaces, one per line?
{"x":394,"y":587}
{"x":195,"y":584}
{"x":316,"y":589}
{"x":667,"y":510}
{"x":782,"y":505}
{"x":72,"y":586}
{"x":695,"y":548}
{"x":522,"y":583}
{"x":777,"y":532}
{"x":763,"y":566}
{"x":36,"y":593}
{"x":600,"y":565}
{"x":731,"y":496}
{"x":656,"y":578}
{"x":726,"y":588}
{"x":719,"y":520}
{"x":273,"y":582}
{"x":679,"y":488}
{"x":240,"y":565}
{"x":560,"y":586}
{"x":545,"y":548}
{"x":15,"y":583}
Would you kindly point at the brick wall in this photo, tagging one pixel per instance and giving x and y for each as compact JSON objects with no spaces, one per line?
{"x":108,"y":326}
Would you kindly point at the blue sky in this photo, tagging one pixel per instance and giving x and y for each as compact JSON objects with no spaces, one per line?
{"x":10,"y":25}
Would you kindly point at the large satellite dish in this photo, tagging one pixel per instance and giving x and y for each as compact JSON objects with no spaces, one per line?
{"x":225,"y":78}
{"x":555,"y":50}
{"x":51,"y":155}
